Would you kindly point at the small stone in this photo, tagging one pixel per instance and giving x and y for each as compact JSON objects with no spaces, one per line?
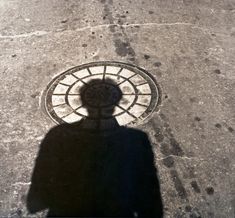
{"x":64,"y":21}
{"x":157,"y":64}
{"x":197,"y":119}
{"x":132,"y":59}
{"x":217,"y":125}
{"x":14,"y":55}
{"x":217,"y":71}
{"x":188,"y":208}
{"x":146,"y":57}
{"x":210,"y":190}
{"x":195,"y":187}
{"x":34,"y":95}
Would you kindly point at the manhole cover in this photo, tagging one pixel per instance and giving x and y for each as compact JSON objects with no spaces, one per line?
{"x":101,"y":91}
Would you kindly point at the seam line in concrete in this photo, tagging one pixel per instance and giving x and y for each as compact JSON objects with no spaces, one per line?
{"x":41,"y":32}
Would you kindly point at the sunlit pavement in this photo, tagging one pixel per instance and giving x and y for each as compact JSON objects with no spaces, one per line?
{"x":188,"y":48}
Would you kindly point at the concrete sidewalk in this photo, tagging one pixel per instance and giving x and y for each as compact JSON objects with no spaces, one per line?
{"x":187,"y":46}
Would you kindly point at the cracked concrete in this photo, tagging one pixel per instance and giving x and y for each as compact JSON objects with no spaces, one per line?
{"x":189,"y":158}
{"x":187,"y":46}
{"x":41,"y":32}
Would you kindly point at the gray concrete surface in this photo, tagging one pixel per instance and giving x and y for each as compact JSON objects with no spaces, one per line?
{"x":187,"y":45}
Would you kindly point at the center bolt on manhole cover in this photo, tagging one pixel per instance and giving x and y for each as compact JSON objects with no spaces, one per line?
{"x":102,"y":91}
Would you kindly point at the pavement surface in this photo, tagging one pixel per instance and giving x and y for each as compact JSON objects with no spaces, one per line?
{"x":187,"y":46}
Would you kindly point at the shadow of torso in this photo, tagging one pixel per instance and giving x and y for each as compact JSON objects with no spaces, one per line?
{"x":95,"y":173}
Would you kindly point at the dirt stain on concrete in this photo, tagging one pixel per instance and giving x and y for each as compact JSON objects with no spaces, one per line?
{"x":123,"y":48}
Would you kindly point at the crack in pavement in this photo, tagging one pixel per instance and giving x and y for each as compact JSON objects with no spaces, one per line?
{"x":42,"y":32}
{"x":176,"y":156}
{"x":25,"y":35}
{"x":21,"y":183}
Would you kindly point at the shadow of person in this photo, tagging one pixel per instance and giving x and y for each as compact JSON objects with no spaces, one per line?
{"x":96,"y":168}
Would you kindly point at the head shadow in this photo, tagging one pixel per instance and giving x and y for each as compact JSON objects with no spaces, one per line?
{"x":94,"y":167}
{"x":98,"y":95}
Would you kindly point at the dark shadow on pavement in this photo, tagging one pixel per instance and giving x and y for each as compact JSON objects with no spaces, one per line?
{"x":85,"y":170}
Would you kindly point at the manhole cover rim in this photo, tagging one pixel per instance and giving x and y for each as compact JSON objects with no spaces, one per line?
{"x":154,"y":87}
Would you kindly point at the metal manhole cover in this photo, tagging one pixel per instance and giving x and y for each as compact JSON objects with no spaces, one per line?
{"x":101,"y":91}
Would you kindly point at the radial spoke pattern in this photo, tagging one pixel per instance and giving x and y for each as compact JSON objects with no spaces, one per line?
{"x":139,"y":93}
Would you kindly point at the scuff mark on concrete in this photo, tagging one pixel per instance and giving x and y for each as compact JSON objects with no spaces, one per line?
{"x":121,"y":40}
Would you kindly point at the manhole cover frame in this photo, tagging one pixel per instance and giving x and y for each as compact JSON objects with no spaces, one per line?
{"x":154,"y":86}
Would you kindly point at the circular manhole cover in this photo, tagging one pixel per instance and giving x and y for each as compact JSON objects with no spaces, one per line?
{"x":101,"y":91}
